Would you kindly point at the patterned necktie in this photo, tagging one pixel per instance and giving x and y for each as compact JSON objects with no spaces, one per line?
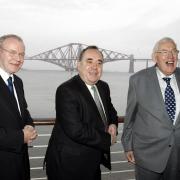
{"x":99,"y":105}
{"x":170,"y":101}
{"x":10,"y":85}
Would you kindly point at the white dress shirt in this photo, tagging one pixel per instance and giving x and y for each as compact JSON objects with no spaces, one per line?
{"x":92,"y":93}
{"x":174,"y":86}
{"x":5,"y":77}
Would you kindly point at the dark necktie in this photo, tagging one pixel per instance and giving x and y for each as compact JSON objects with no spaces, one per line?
{"x":99,"y":106}
{"x":170,"y":101}
{"x":10,"y":85}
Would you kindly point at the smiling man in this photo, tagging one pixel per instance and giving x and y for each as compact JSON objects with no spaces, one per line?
{"x":86,"y":123}
{"x":16,"y":125}
{"x":151,"y":134}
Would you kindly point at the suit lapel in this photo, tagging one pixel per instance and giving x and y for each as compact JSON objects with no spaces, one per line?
{"x":159,"y":98}
{"x":7,"y":99}
{"x":103,"y":95}
{"x":19,"y":94}
{"x":177,"y":75}
{"x":20,"y":97}
{"x":89,"y":99}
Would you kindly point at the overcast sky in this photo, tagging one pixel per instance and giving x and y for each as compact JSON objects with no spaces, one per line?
{"x":125,"y":26}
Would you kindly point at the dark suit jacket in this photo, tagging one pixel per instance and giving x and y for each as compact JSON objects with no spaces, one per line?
{"x":79,"y":143}
{"x":14,"y":162}
{"x":148,"y":131}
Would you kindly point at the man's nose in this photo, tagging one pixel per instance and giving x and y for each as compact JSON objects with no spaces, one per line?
{"x":18,"y":57}
{"x":94,"y":65}
{"x":170,"y":54}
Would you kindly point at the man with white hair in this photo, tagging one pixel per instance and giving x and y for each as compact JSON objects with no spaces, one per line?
{"x":151,"y":134}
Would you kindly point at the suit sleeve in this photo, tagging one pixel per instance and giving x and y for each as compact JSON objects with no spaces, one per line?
{"x":113,"y":118}
{"x":130,"y":116}
{"x":69,"y":113}
{"x":26,"y":115}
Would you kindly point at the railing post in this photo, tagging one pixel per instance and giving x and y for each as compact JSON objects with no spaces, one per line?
{"x":146,"y":63}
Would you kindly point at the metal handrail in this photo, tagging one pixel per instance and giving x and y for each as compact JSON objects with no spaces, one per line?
{"x":51,"y":121}
{"x":38,"y":168}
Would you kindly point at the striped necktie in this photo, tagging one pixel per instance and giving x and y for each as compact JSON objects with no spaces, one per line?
{"x":99,"y":105}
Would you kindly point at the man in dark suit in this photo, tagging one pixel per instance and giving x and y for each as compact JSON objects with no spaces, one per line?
{"x":151,"y":135}
{"x":16,"y":126}
{"x":82,"y":134}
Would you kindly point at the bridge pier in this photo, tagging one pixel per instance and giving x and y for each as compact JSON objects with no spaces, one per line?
{"x":131,"y":64}
{"x":146,"y":63}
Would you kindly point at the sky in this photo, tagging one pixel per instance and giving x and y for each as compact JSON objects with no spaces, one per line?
{"x":125,"y":26}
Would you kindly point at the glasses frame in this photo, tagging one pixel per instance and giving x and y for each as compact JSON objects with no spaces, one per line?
{"x":14,"y":53}
{"x":166,"y":52}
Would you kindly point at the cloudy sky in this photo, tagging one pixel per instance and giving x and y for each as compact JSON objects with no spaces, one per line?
{"x":126,"y":26}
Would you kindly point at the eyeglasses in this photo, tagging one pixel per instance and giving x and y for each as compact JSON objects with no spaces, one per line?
{"x":166,"y":53}
{"x":14,"y":53}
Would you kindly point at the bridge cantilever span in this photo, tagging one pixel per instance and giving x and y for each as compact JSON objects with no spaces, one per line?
{"x":66,"y":56}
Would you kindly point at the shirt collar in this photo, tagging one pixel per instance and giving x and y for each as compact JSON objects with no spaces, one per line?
{"x":5,"y":75}
{"x":161,"y":75}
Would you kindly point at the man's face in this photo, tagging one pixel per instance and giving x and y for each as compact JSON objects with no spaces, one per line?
{"x":166,"y":58}
{"x":90,"y":66}
{"x":12,"y":55}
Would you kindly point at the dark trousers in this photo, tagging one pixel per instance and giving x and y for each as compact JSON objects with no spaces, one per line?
{"x":171,"y":172}
{"x":56,"y":177}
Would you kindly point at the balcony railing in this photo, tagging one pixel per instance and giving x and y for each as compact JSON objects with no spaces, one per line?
{"x":121,"y":169}
{"x":51,"y":121}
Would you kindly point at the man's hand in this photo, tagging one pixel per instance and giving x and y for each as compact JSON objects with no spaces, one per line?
{"x":130,"y":156}
{"x":29,"y":134}
{"x":112,"y":130}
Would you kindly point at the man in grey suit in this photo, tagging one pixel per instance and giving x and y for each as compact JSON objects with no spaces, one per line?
{"x":151,"y":134}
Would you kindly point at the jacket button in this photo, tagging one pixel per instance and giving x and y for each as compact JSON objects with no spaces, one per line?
{"x":169,"y":145}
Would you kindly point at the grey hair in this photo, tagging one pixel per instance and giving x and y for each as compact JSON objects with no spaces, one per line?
{"x":4,"y":37}
{"x":158,"y":43}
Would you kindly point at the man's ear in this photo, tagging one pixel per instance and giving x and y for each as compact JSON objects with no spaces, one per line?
{"x":154,"y":58}
{"x":77,"y":64}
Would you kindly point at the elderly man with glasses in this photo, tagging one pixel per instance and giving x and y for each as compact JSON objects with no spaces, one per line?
{"x":16,"y":125}
{"x":151,"y":134}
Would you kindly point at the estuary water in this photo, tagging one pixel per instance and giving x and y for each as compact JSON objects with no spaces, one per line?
{"x":40,"y":88}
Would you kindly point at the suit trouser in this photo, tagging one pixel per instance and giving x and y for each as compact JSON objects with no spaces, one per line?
{"x":171,"y":172}
{"x":67,"y":173}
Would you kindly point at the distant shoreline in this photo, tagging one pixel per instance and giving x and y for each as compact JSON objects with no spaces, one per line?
{"x":56,"y":70}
